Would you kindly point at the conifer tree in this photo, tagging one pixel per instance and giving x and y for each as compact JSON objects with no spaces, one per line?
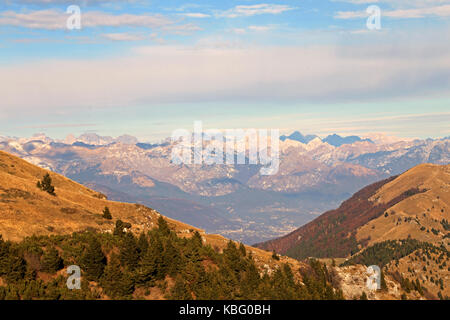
{"x":93,"y":260}
{"x":15,"y":267}
{"x":193,"y":246}
{"x":180,"y":290}
{"x":242,"y":249}
{"x":163,"y":227}
{"x":46,"y":185}
{"x":275,"y":256}
{"x":107,"y":214}
{"x":151,"y":265}
{"x":119,"y":230}
{"x":142,"y":243}
{"x":232,"y":257}
{"x":172,"y":259}
{"x":197,"y":239}
{"x":129,"y":251}
{"x":51,"y":261}
{"x":116,"y":282}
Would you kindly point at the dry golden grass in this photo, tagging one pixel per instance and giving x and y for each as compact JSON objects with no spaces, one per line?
{"x":423,"y":210}
{"x":25,"y":210}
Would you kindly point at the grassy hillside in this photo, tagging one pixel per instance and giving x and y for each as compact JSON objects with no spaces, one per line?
{"x":414,"y":204}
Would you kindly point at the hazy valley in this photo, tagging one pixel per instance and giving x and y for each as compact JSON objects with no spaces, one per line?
{"x":233,"y":200}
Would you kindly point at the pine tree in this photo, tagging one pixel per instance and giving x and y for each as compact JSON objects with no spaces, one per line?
{"x":242,"y":249}
{"x":107,"y":214}
{"x":142,"y":243}
{"x":172,"y":259}
{"x":232,"y":257}
{"x":275,"y":256}
{"x":163,"y":227}
{"x":129,"y":251}
{"x":93,"y":260}
{"x":46,"y":185}
{"x":119,"y":230}
{"x":116,"y":282}
{"x":151,"y":265}
{"x":15,"y":267}
{"x":251,"y":282}
{"x":193,"y":246}
{"x":180,"y":290}
{"x":51,"y":261}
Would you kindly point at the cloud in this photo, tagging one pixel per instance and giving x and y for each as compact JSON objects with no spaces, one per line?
{"x":437,"y":11}
{"x":252,"y":10}
{"x":195,"y":15}
{"x":56,"y":2}
{"x":251,"y":28}
{"x":184,"y":29}
{"x":158,"y":74}
{"x":238,"y":30}
{"x":124,"y":36}
{"x":57,"y":20}
{"x":59,"y":125}
{"x":260,"y":28}
{"x":398,"y":3}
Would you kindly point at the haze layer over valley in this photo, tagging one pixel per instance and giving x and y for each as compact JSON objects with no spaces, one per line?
{"x":236,"y":201}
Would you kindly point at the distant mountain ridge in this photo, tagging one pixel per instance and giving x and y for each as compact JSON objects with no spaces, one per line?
{"x":297,"y":136}
{"x":235,"y":201}
{"x":337,"y":141}
{"x":333,"y":139}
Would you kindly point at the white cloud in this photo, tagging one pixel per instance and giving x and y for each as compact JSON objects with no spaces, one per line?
{"x":252,"y":10}
{"x":184,"y":29}
{"x":56,"y":19}
{"x":439,"y":11}
{"x":195,"y":15}
{"x":260,"y":28}
{"x":55,"y":2}
{"x":252,"y":29}
{"x":398,"y":3}
{"x":239,"y":30}
{"x":124,"y":36}
{"x":158,"y":74}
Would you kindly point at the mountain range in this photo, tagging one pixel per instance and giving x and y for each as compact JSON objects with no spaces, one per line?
{"x":233,"y":200}
{"x":44,"y":230}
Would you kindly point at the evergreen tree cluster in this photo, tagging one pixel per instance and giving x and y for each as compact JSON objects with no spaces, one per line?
{"x":46,"y":185}
{"x":124,"y":266}
{"x":382,"y":253}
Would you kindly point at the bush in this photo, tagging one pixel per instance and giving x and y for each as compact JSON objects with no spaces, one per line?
{"x":46,"y":185}
{"x":107,"y":214}
{"x":51,"y":261}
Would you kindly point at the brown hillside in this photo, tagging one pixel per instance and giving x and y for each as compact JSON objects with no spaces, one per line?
{"x":25,"y":210}
{"x":410,"y":205}
{"x":419,"y":216}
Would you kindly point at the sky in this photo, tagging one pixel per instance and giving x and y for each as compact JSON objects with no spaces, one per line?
{"x":147,"y":68}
